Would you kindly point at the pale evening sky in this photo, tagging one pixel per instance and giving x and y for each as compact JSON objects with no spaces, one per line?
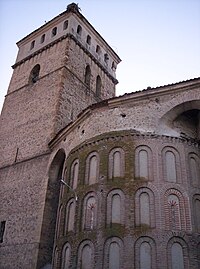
{"x":157,"y":40}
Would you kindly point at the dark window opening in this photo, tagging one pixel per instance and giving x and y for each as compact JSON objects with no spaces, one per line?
{"x":89,"y":40}
{"x":32,"y":44}
{"x":54,"y":31}
{"x":34,"y":76}
{"x":106,"y":58}
{"x":79,"y":30}
{"x":98,"y":50}
{"x":87,"y":75}
{"x":65,"y":25}
{"x":42,"y":38}
{"x":2,"y":230}
{"x":98,"y":86}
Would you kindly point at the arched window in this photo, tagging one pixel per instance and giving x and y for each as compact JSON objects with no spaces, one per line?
{"x":65,"y":25}
{"x":90,"y":213}
{"x":116,"y":209}
{"x":42,"y":39}
{"x":196,"y":201}
{"x":92,"y":170}
{"x":106,"y":58}
{"x":32,"y":45}
{"x":194,"y":169}
{"x":144,"y":209}
{"x":98,"y":86}
{"x":174,"y":211}
{"x":98,"y":49}
{"x":70,"y":215}
{"x":177,"y":256}
{"x":54,"y":31}
{"x":143,"y":164}
{"x":86,"y":257}
{"x":88,"y":40}
{"x":74,"y":174}
{"x":79,"y":30}
{"x":170,"y":166}
{"x":34,"y":75}
{"x":66,"y":255}
{"x":145,"y":256}
{"x":116,"y":163}
{"x":87,"y":75}
{"x":114,"y":256}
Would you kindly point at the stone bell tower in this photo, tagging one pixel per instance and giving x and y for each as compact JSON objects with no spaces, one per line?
{"x":61,"y":68}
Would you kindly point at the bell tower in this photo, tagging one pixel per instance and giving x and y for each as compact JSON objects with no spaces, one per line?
{"x":61,"y":68}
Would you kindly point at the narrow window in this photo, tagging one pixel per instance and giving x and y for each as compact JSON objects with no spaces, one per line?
{"x":145,"y":256}
{"x":116,"y":209}
{"x":2,"y":230}
{"x":143,"y":164}
{"x":74,"y":174}
{"x":194,"y":171}
{"x":114,"y":256}
{"x":65,"y":25}
{"x":88,"y":40}
{"x":98,"y":86}
{"x":174,"y":212}
{"x":170,"y":166}
{"x":144,"y":209}
{"x":79,"y":30}
{"x":32,"y":44}
{"x":66,"y":256}
{"x":197,"y":213}
{"x":92,"y":170}
{"x":54,"y":31}
{"x":98,"y":49}
{"x":117,"y":164}
{"x":177,"y":256}
{"x":106,"y":58}
{"x":42,"y":39}
{"x":71,"y":215}
{"x":90,"y":214}
{"x":87,"y":75}
{"x":34,"y":75}
{"x":86,"y":258}
{"x":114,"y":66}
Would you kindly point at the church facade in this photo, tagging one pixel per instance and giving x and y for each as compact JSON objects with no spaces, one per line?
{"x":90,"y":180}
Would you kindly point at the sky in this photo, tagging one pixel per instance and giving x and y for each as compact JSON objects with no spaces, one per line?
{"x":157,"y":40}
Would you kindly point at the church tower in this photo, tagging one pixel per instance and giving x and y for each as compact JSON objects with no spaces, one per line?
{"x":61,"y":68}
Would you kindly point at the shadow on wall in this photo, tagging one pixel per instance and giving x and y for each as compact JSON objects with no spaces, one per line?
{"x":182,"y":121}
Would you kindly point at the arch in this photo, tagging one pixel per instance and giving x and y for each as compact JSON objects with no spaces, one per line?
{"x":116,"y":163}
{"x":177,"y":254}
{"x":143,"y":163}
{"x":145,"y":251}
{"x":171,"y":165}
{"x":87,"y":75}
{"x":74,"y":174}
{"x":42,"y":39}
{"x":181,"y":120}
{"x":48,"y":229}
{"x":194,"y":169}
{"x":90,"y":209}
{"x":79,"y":30}
{"x":92,"y":168}
{"x":115,"y":207}
{"x":66,"y":256}
{"x":54,"y":32}
{"x":145,"y":207}
{"x":70,"y":215}
{"x":98,"y":49}
{"x":85,"y":255}
{"x":196,"y":210}
{"x":113,"y":253}
{"x":34,"y":75}
{"x":98,"y":86}
{"x":88,"y":40}
{"x":65,"y":25}
{"x":174,"y":207}
{"x":32,"y":45}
